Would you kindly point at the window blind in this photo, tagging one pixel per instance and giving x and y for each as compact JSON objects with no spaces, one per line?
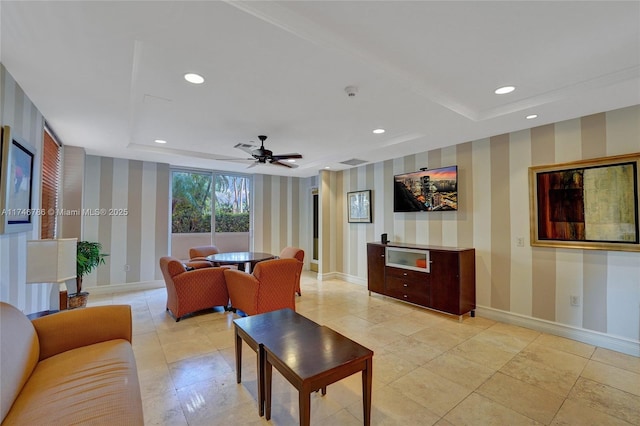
{"x":50,"y":186}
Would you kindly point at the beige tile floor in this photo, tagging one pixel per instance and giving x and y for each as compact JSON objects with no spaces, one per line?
{"x":429,"y":368}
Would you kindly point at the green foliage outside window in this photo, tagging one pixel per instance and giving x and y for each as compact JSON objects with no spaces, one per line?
{"x":232,"y":222}
{"x":192,"y":203}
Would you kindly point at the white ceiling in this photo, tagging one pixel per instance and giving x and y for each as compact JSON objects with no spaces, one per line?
{"x":108,"y":76}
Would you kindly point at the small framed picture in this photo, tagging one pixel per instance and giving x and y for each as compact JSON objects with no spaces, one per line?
{"x":359,"y":206}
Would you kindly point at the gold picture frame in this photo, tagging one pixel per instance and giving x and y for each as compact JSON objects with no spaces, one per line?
{"x":587,"y":204}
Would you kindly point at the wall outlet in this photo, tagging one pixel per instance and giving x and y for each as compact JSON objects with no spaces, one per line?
{"x":520,"y":241}
{"x":127,"y":268}
{"x":574,"y":300}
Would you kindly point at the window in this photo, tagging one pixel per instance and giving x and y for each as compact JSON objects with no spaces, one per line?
{"x":50,"y":186}
{"x":193,"y":197}
{"x":190,"y":202}
{"x":232,"y":203}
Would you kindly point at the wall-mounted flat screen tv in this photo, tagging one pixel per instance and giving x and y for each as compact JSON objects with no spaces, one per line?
{"x":426,"y":190}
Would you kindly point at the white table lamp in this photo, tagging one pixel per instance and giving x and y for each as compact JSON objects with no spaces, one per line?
{"x":51,"y":261}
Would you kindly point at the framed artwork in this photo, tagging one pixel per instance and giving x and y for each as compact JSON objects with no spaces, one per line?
{"x":589,"y":204}
{"x":359,"y":205}
{"x":16,"y":183}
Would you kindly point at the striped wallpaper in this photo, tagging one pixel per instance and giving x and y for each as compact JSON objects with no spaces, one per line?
{"x":18,"y":112}
{"x":494,"y":212}
{"x":282,"y":214}
{"x":132,"y":198}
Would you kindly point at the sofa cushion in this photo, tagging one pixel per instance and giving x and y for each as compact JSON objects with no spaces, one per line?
{"x":19,"y":352}
{"x":95,"y":384}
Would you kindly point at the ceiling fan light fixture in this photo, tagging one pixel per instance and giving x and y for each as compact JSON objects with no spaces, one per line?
{"x":262,"y":155}
{"x":194,"y":78}
{"x":504,"y":90}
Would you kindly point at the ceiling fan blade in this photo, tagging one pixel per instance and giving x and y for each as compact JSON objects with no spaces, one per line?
{"x":239,"y":159}
{"x":255,"y":163}
{"x":248,"y":148}
{"x":286,"y":156}
{"x":289,"y":165}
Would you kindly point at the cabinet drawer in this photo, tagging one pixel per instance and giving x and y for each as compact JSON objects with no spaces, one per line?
{"x":407,"y":274}
{"x":418,"y":299}
{"x":407,"y":289}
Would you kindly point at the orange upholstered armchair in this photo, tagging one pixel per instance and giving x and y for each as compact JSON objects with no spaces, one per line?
{"x":270,"y":287}
{"x":294,"y":253}
{"x":193,"y":290}
{"x":198,"y":255}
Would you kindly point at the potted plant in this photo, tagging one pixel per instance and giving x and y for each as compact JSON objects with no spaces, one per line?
{"x":89,"y":256}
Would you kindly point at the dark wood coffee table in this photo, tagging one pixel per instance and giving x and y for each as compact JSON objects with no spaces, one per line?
{"x":240,"y":258}
{"x":319,"y":357}
{"x":308,"y":355}
{"x":257,"y":329}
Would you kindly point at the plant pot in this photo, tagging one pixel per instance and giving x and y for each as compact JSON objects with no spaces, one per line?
{"x":78,"y":300}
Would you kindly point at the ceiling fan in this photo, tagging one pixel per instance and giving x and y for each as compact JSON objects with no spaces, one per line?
{"x":264,"y":156}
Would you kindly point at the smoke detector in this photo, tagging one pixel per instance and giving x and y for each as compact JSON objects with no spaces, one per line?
{"x":351,"y":91}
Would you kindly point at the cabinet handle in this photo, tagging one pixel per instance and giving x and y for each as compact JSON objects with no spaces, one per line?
{"x":405,"y":296}
{"x":405,"y":274}
{"x":405,"y":285}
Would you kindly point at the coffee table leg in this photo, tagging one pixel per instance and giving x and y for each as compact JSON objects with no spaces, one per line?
{"x":261,"y":381}
{"x":238,"y":356}
{"x":304,"y":401}
{"x":367,"y":374}
{"x":266,"y":383}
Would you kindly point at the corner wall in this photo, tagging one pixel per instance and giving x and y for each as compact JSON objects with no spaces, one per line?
{"x":131,"y":199}
{"x":282,"y":214}
{"x":18,"y":112}
{"x":531,"y":282}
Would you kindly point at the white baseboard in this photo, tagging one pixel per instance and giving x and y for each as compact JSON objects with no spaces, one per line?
{"x":328,"y":276}
{"x":615,"y":343}
{"x":123,"y":288}
{"x":353,"y":279}
{"x":341,"y":276}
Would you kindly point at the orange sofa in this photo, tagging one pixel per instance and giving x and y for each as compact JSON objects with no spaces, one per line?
{"x":72,"y":367}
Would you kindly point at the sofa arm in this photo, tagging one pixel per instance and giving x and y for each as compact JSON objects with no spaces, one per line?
{"x":75,"y":328}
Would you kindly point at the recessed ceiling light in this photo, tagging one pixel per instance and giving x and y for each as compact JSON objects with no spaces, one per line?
{"x":378,"y":131}
{"x":160,"y":141}
{"x":532,"y":116}
{"x":194,"y":78}
{"x":504,"y":90}
{"x":327,"y":167}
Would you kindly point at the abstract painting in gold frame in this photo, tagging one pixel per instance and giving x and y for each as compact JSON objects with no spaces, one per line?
{"x":588,"y":204}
